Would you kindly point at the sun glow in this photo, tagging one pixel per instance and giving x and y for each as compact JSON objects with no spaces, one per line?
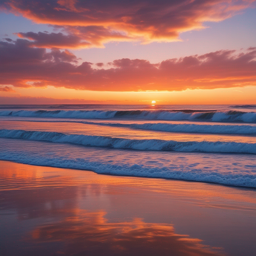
{"x":153,"y":102}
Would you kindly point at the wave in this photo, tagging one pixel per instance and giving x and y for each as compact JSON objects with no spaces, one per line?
{"x":215,"y":168}
{"x":212,"y":116}
{"x":142,"y":145}
{"x":243,"y":106}
{"x":194,"y":128}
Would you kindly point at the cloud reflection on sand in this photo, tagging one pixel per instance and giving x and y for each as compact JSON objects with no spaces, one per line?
{"x":54,"y":211}
{"x":91,"y":233}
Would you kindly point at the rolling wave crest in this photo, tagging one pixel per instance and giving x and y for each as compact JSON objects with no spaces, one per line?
{"x":143,"y":145}
{"x":212,"y":116}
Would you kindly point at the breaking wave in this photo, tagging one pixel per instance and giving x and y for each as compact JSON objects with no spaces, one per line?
{"x":215,"y":168}
{"x":142,"y":145}
{"x":194,"y":128}
{"x":211,"y":116}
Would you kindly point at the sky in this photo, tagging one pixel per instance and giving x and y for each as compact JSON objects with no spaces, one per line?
{"x":128,"y":52}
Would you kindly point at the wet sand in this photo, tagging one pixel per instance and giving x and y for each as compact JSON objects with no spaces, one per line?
{"x":53,"y":211}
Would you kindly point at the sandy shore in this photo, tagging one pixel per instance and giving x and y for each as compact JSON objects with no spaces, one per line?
{"x":51,"y":211}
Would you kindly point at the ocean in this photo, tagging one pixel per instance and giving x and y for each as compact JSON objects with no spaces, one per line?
{"x":213,"y":143}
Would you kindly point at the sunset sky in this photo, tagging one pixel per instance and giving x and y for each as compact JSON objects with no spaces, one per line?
{"x":128,"y":52}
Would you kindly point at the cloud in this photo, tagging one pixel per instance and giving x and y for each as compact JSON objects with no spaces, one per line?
{"x":18,"y":99}
{"x":73,"y":37}
{"x":99,"y":21}
{"x":24,"y":66}
{"x":8,"y":40}
{"x":6,"y":89}
{"x":19,"y":61}
{"x":54,"y":40}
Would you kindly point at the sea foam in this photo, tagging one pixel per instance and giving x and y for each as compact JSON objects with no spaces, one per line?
{"x":235,"y":170}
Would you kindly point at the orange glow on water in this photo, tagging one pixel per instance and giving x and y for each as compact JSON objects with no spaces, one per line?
{"x":26,"y":176}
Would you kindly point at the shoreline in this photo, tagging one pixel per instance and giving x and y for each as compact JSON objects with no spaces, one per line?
{"x":133,"y":176}
{"x":69,"y":205}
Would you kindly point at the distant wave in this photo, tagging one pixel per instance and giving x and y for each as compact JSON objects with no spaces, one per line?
{"x":230,"y":116}
{"x":142,"y":145}
{"x":243,"y":106}
{"x":194,"y":128}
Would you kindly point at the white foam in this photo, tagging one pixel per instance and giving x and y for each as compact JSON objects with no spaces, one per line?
{"x":214,"y":168}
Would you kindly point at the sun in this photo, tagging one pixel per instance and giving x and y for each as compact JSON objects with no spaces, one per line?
{"x":153,"y":102}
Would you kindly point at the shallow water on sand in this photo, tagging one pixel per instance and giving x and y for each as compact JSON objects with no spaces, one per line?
{"x":51,"y":211}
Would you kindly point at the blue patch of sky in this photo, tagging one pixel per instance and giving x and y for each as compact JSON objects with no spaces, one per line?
{"x":234,"y":33}
{"x":11,"y":24}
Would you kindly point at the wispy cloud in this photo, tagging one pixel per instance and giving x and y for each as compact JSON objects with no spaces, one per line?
{"x":93,"y":23}
{"x":6,"y":89}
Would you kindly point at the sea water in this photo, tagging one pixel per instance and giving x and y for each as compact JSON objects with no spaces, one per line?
{"x":215,"y":144}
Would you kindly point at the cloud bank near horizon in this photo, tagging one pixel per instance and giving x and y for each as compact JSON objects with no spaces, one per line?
{"x":26,"y":66}
{"x":84,"y":24}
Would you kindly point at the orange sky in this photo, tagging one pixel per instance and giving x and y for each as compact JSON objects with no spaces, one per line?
{"x":245,"y":95}
{"x":39,"y":63}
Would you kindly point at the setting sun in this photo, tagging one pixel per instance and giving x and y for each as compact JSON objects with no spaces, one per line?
{"x":153,"y":102}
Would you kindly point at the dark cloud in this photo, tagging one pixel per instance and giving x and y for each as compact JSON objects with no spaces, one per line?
{"x":101,"y":21}
{"x":56,"y":40}
{"x":24,"y":66}
{"x":73,"y":37}
{"x":8,"y":39}
{"x":100,"y":64}
{"x":6,"y":89}
{"x":20,"y":63}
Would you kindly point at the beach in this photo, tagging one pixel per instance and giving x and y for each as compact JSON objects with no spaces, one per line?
{"x":127,"y":128}
{"x":55,"y":211}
